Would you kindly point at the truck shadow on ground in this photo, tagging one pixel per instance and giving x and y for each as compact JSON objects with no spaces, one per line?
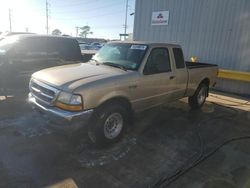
{"x":171,"y":130}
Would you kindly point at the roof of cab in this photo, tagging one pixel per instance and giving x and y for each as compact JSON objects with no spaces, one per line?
{"x":148,"y":43}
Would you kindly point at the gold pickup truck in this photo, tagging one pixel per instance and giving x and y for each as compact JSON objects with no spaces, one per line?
{"x":122,"y":79}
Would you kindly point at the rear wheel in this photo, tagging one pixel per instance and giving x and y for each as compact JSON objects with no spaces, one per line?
{"x":199,"y":98}
{"x":108,"y":124}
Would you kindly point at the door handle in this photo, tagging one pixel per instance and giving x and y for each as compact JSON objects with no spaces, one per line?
{"x":132,"y":86}
{"x":171,"y":77}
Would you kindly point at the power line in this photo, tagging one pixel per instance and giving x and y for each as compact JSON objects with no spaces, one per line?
{"x":106,"y":26}
{"x":75,"y":4}
{"x":84,"y":11}
{"x":84,"y":18}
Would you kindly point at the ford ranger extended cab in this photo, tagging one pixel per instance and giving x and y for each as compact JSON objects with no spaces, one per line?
{"x":122,"y":79}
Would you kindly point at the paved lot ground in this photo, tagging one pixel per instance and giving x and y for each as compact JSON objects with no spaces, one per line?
{"x":163,"y":142}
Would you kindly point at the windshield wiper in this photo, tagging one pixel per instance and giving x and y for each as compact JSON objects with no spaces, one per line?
{"x":115,"y":65}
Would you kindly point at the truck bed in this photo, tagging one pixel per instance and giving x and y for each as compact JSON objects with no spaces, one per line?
{"x":198,"y":72}
{"x":192,"y":65}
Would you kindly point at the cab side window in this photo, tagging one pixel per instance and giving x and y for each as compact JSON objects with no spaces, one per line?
{"x":158,"y":62}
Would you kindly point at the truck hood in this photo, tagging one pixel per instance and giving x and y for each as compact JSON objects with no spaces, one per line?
{"x":65,"y":77}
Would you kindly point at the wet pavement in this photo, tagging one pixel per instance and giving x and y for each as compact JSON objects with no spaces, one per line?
{"x":163,"y":143}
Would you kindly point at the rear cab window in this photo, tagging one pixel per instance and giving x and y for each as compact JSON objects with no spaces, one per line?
{"x":179,"y":58}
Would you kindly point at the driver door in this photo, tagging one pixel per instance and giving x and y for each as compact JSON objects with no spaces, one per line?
{"x":154,"y":86}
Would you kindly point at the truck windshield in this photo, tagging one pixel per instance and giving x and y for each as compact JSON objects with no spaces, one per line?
{"x":124,"y":55}
{"x":7,"y":43}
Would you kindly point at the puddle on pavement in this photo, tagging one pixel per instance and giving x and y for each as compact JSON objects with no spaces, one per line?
{"x":29,"y":125}
{"x":90,"y":157}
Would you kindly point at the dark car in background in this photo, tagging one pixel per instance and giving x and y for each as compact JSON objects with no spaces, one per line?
{"x":4,"y":35}
{"x":22,"y":55}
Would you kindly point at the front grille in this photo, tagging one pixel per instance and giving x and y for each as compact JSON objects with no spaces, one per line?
{"x":42,"y":92}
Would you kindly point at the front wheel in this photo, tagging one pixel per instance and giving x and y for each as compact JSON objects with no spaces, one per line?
{"x":199,"y":98}
{"x":108,"y":125}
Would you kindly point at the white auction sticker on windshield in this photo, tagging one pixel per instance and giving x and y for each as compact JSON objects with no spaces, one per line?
{"x":138,"y":47}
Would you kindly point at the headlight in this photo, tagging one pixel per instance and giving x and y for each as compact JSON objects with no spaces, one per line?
{"x":76,"y":100}
{"x":68,"y":101}
{"x":64,"y":97}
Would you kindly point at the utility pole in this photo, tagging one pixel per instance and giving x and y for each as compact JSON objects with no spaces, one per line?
{"x":126,"y":19}
{"x":10,"y":20}
{"x":77,"y":29}
{"x":47,"y":18}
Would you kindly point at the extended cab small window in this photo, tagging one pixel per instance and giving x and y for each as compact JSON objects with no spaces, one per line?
{"x":179,"y":59}
{"x":158,"y":61}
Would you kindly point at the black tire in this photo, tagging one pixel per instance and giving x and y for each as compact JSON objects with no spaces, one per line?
{"x":96,"y":131}
{"x":197,"y":101}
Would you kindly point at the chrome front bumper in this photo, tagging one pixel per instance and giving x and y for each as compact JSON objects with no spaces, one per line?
{"x":61,"y":117}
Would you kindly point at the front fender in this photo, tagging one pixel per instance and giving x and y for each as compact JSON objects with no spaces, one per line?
{"x":93,"y":99}
{"x":112,"y":95}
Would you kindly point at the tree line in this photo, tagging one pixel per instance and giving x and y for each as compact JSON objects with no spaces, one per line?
{"x":84,"y":31}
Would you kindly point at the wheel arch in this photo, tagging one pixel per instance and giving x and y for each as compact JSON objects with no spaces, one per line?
{"x":118,"y":100}
{"x":205,"y":81}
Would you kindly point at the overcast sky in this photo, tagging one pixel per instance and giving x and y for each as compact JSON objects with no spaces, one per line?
{"x":105,"y":17}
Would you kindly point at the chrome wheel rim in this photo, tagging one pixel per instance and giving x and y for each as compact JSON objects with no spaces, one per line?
{"x":113,"y":125}
{"x":202,"y":95}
